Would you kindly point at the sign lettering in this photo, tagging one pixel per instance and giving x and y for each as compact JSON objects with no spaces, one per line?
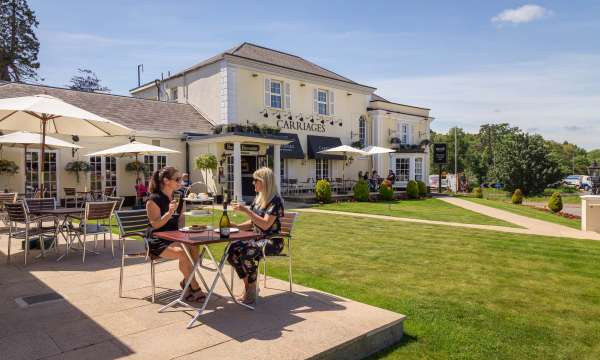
{"x":300,"y":125}
{"x":440,"y":153}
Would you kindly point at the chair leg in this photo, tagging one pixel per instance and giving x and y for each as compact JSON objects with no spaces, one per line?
{"x":122,"y":270}
{"x":153,"y":280}
{"x":264,"y":267}
{"x":26,"y":242}
{"x":84,"y":241}
{"x":112,"y":245}
{"x":9,"y":241}
{"x":231,"y":278}
{"x":290,"y":260}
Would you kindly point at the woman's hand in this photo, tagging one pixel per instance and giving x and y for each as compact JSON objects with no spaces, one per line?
{"x":240,"y":208}
{"x":172,"y":207}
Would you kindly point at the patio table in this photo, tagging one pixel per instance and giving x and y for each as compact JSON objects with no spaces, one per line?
{"x":204,"y":239}
{"x":63,"y":215}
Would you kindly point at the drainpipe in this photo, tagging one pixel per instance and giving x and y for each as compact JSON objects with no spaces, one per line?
{"x":187,"y":156}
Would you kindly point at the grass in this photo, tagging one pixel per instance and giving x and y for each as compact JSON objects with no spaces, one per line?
{"x":427,"y":209}
{"x":528,"y":211}
{"x":495,"y":194}
{"x":467,"y":293}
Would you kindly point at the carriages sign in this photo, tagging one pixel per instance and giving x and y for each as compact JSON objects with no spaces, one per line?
{"x":440,"y":153}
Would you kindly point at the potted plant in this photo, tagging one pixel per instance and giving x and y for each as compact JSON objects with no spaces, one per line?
{"x":356,"y":144}
{"x":77,"y":167}
{"x":8,"y":167}
{"x":206,"y":162}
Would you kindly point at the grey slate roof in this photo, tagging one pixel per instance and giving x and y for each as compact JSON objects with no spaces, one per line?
{"x":137,"y":114}
{"x":269,"y":56}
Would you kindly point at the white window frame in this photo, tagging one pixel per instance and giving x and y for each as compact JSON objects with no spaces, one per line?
{"x":37,"y":171}
{"x":419,"y":169}
{"x":275,"y":95}
{"x":284,"y":95}
{"x":174,"y":93}
{"x":322,"y":105}
{"x":404,"y":133}
{"x":104,"y":172}
{"x":400,"y":175}
{"x":322,"y":169}
{"x":154,"y":164}
{"x":362,"y":131}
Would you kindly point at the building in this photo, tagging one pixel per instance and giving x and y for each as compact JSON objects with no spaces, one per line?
{"x":250,"y":86}
{"x":153,"y":122}
{"x":249,"y":106}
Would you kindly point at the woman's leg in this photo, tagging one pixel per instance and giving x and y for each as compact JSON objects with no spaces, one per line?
{"x":175,"y":252}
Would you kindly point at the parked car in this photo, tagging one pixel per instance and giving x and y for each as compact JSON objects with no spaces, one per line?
{"x":572,"y":180}
{"x":586,"y":183}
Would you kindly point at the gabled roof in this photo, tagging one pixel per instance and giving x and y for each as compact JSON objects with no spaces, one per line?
{"x":135,"y":113}
{"x":268,"y":56}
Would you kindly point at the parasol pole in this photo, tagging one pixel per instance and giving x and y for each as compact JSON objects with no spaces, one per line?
{"x":42,"y":151}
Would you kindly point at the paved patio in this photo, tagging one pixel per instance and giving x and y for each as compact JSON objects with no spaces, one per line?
{"x":92,"y":322}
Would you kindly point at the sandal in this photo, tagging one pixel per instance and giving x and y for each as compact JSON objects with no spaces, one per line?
{"x":195,"y":295}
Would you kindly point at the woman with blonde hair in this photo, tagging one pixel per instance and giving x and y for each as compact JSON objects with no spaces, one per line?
{"x":264,"y":213}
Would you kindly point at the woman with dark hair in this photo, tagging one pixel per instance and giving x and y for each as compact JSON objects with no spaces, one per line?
{"x":164,"y":214}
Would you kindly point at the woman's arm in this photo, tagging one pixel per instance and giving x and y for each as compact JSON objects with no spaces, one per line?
{"x":153,"y":211}
{"x":246,"y":225}
{"x":263,"y":222}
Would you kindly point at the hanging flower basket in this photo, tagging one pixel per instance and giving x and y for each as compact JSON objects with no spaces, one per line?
{"x":8,"y":167}
{"x":137,"y":167}
{"x":77,"y":167}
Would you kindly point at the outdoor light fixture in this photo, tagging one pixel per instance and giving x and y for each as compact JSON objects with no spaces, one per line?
{"x":302,"y":84}
{"x":341,"y":124}
{"x":290,"y":116}
{"x":331,"y":122}
{"x":322,"y":121}
{"x":349,"y":94}
{"x":254,"y":75}
{"x":312,"y":119}
{"x":265,"y":113}
{"x":301,"y":118}
{"x":278,"y":116}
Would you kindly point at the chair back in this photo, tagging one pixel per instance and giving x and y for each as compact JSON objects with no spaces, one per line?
{"x":118,"y":199}
{"x":99,"y":210}
{"x":109,"y":191}
{"x":132,"y":221}
{"x":70,"y":191}
{"x":287,"y":222}
{"x":7,"y":198}
{"x":37,"y":205}
{"x":16,"y":212}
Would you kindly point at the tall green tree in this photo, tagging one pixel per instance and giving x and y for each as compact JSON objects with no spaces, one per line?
{"x":523,"y":161}
{"x":86,"y":80}
{"x":19,"y":45}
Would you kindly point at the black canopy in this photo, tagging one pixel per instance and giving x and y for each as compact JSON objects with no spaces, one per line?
{"x":320,"y":143}
{"x":292,"y":150}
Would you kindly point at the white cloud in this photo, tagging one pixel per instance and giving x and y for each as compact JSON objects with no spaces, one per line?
{"x":557,"y":97}
{"x":523,"y":14}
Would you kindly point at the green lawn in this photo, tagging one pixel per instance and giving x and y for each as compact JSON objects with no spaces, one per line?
{"x":495,"y":194}
{"x":528,"y":211}
{"x":467,"y":293}
{"x":427,"y":209}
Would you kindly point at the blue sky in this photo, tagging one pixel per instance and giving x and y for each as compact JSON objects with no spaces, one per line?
{"x":532,"y":64}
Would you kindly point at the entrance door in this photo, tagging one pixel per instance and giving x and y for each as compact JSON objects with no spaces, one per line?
{"x":249,"y":166}
{"x":32,"y":168}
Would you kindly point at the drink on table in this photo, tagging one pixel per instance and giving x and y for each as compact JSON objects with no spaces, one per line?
{"x":224,"y":223}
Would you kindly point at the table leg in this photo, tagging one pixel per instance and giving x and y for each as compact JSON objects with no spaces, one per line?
{"x":188,"y":281}
{"x":219,"y":268}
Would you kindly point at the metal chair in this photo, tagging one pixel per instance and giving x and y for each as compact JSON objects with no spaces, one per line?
{"x":135,"y":223}
{"x":6,"y":198}
{"x":118,"y":199}
{"x":17,"y":214}
{"x":109,"y":191}
{"x":287,"y":224}
{"x":95,"y":211}
{"x":71,"y":196}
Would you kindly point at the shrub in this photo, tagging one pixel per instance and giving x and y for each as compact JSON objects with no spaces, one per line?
{"x":386,"y":192}
{"x":422,"y":188}
{"x":517,"y":197}
{"x":478,"y":193}
{"x":361,"y":191}
{"x":412,"y":190}
{"x":555,"y":203}
{"x":323,"y":191}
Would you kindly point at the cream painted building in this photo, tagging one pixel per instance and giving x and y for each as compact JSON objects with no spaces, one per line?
{"x":312,"y":106}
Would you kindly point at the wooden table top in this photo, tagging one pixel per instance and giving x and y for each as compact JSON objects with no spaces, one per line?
{"x":203,"y":238}
{"x":59,"y":211}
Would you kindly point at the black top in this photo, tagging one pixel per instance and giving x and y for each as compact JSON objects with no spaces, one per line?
{"x":162,"y":201}
{"x":275,"y":207}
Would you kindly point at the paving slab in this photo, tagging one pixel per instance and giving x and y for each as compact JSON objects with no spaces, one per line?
{"x":93,"y":322}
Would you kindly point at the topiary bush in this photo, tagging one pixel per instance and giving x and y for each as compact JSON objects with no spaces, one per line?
{"x":517,"y":197}
{"x":386,"y":192}
{"x":478,"y":193}
{"x":555,"y":203}
{"x":323,"y":191}
{"x":361,"y":191}
{"x":422,"y":188}
{"x":412,"y":190}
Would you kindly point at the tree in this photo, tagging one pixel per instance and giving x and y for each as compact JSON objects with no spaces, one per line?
{"x":523,"y":161}
{"x":19,"y":45}
{"x":206,"y":162}
{"x":87,"y":80}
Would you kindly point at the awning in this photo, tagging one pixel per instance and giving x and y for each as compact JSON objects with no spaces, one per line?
{"x":292,"y":150}
{"x":320,"y":143}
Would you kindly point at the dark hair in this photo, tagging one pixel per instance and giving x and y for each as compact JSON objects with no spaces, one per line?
{"x":159,"y":176}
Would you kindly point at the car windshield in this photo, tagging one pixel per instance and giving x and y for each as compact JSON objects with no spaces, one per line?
{"x":573,"y":177}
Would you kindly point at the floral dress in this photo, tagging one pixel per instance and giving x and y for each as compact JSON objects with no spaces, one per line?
{"x":244,"y":255}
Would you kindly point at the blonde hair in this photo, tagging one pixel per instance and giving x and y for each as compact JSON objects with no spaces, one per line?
{"x":266,"y":176}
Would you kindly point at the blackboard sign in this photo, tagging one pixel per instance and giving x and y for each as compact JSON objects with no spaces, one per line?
{"x":440,"y":153}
